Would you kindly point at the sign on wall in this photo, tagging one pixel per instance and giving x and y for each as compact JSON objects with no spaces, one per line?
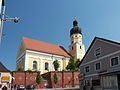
{"x":5,"y":79}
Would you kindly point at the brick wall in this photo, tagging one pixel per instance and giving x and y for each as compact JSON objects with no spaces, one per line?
{"x":65,"y":79}
{"x":26,"y":78}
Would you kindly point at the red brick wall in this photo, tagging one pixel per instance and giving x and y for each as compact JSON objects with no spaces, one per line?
{"x":19,"y":79}
{"x":59,"y":84}
{"x":47,"y":76}
{"x":64,"y":79}
{"x":76,"y":80}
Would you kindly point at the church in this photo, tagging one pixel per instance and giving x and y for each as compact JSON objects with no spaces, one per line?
{"x":39,"y":56}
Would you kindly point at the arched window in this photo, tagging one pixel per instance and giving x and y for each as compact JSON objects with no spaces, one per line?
{"x":72,"y":42}
{"x":34,"y":65}
{"x":46,"y":66}
{"x":72,"y":48}
{"x":80,"y":47}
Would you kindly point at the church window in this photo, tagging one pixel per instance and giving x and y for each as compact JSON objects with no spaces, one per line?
{"x":72,"y":42}
{"x":80,"y":47}
{"x":34,"y":65}
{"x":72,"y":48}
{"x":46,"y":66}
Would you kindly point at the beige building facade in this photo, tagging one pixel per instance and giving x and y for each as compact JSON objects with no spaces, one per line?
{"x":39,"y":56}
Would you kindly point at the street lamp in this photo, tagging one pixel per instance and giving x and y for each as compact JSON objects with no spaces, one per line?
{"x":4,"y":17}
{"x":15,"y":19}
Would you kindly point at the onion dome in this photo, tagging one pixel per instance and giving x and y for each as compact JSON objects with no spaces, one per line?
{"x":75,"y":29}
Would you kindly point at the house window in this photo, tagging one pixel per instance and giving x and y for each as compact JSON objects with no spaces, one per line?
{"x":114,"y":61}
{"x":97,"y":52}
{"x":46,"y":66}
{"x":34,"y":65}
{"x":97,"y":66}
{"x":87,"y":69}
{"x":96,"y":82}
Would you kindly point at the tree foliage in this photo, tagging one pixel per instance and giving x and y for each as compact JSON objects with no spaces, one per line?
{"x":77,"y":63}
{"x":38,"y":78}
{"x":56,"y":65}
{"x":29,"y":70}
{"x":55,"y":78}
{"x":73,"y":65}
{"x":20,"y":69}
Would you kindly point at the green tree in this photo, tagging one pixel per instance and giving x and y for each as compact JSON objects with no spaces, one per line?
{"x":56,"y":65}
{"x":55,"y":78}
{"x":38,"y":78}
{"x":77,"y":63}
{"x":71,"y":65}
{"x":29,"y":70}
{"x":20,"y":69}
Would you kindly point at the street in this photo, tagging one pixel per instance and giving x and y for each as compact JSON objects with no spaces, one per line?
{"x":60,"y":89}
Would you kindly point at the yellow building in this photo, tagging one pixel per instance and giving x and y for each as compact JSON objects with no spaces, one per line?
{"x":76,"y":48}
{"x":38,"y":55}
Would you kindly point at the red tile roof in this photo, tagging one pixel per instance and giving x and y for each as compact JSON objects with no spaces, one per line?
{"x":41,"y":46}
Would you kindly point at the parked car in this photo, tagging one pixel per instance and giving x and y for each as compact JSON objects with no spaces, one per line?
{"x":20,"y":87}
{"x":30,"y":87}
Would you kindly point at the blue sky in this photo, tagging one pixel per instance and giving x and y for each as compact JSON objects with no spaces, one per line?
{"x":51,"y":21}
